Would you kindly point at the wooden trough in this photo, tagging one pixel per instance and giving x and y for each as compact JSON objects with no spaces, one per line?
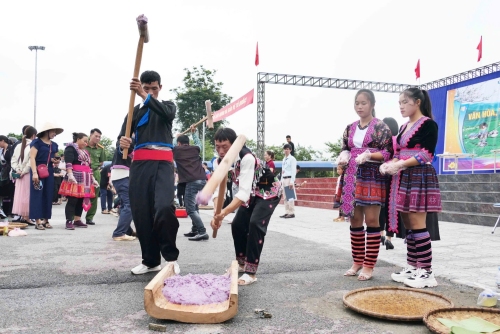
{"x":157,"y":306}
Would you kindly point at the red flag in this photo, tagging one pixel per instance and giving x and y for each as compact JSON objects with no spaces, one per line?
{"x":480,"y":49}
{"x":417,"y":70}
{"x":257,"y":55}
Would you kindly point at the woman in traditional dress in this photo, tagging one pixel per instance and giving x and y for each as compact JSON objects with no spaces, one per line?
{"x":415,"y":187}
{"x":43,"y":149}
{"x":79,"y":184}
{"x":366,"y":144}
{"x":21,"y":165}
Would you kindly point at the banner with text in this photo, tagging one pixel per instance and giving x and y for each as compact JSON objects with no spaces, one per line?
{"x":233,"y":107}
{"x":472,"y":122}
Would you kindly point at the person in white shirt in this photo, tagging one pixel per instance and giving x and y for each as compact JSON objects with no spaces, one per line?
{"x":259,"y":192}
{"x":288,"y":173}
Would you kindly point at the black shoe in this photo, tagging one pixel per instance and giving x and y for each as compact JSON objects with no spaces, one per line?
{"x":382,"y":240}
{"x":284,"y":216}
{"x":290,"y":216}
{"x":18,"y":220}
{"x":90,"y":222}
{"x":388,"y":244}
{"x":199,"y":237}
{"x":191,"y":234}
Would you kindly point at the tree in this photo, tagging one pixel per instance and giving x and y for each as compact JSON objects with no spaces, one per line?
{"x":334,"y":148}
{"x":18,"y":137}
{"x":109,"y":149}
{"x":199,"y":86}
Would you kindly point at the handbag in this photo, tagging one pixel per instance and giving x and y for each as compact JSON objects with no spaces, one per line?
{"x":42,"y":169}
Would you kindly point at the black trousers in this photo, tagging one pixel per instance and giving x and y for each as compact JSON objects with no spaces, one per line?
{"x":57,"y":185}
{"x":74,"y":207}
{"x":151,"y":192}
{"x":249,"y":228}
{"x":181,"y":191}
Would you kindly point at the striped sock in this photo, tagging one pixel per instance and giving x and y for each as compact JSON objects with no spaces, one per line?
{"x":358,"y":244}
{"x":372,"y":246}
{"x":423,"y":248}
{"x":411,"y":251}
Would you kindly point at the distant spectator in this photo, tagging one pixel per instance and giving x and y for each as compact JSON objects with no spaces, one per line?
{"x":269,"y":157}
{"x":289,"y":142}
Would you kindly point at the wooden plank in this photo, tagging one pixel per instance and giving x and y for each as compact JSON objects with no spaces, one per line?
{"x":157,"y":306}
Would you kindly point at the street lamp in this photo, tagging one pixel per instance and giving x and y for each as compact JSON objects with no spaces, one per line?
{"x":36,"y":48}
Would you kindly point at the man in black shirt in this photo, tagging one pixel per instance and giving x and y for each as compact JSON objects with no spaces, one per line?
{"x":289,"y":142}
{"x":152,"y":175}
{"x":192,"y":173}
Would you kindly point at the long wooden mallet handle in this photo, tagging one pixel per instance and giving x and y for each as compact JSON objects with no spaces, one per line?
{"x":220,"y":174}
{"x":220,"y":201}
{"x":142,"y":24}
{"x":208,"y":118}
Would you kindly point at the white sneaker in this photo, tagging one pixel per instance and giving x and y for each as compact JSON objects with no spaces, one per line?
{"x":177,"y":269}
{"x":404,"y":274}
{"x":142,"y":269}
{"x":421,"y":279}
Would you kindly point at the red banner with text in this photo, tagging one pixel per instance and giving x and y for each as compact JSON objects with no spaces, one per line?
{"x":233,"y":107}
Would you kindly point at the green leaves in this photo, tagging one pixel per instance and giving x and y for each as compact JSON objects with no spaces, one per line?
{"x":199,"y":86}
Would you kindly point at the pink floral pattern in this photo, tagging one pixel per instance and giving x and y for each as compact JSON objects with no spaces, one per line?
{"x":377,"y":139}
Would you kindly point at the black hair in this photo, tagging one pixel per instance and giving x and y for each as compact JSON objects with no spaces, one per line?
{"x":288,"y":136}
{"x":223,"y":134}
{"x":78,"y":135}
{"x":371,"y":97}
{"x":205,"y":164}
{"x":287,"y":146}
{"x":4,"y":138}
{"x":183,"y":139}
{"x":484,"y":124}
{"x":29,"y":132}
{"x":415,"y":94}
{"x":95,"y":130}
{"x":147,"y":77}
{"x":392,"y":124}
{"x":24,"y":128}
{"x":297,"y":167}
{"x":271,"y":154}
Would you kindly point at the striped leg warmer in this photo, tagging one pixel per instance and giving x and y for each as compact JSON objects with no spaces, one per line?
{"x":358,"y":244}
{"x":411,"y":250}
{"x":372,"y":246}
{"x":423,"y":248}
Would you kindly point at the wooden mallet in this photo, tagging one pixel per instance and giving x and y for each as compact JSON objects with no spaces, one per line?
{"x":219,"y":177}
{"x":209,"y":118}
{"x":142,"y":24}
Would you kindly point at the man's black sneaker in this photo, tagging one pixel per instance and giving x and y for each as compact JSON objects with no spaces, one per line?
{"x":191,"y":234}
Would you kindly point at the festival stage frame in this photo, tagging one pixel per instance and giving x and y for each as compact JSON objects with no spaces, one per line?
{"x":470,"y":98}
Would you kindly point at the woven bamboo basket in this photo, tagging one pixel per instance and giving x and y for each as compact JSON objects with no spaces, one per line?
{"x":12,"y":226}
{"x":395,"y":303}
{"x":459,"y":313}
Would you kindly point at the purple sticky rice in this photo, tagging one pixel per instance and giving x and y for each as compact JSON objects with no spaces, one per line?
{"x":197,"y":289}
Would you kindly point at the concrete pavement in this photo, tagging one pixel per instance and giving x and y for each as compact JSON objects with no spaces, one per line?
{"x":59,"y":281}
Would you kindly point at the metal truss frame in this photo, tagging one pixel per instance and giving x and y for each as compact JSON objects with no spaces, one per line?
{"x":264,"y":78}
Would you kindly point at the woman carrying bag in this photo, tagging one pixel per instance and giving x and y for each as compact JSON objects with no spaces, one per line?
{"x":43,"y":149}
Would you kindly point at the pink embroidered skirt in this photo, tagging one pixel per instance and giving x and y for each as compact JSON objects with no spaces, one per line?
{"x":418,"y":190}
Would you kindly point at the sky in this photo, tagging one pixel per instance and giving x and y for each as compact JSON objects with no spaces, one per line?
{"x":85,"y":70}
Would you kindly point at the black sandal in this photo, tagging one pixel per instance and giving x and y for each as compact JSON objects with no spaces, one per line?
{"x":47,"y":225}
{"x":39,"y":227}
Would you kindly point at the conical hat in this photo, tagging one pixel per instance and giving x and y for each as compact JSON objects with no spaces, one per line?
{"x":49,"y":126}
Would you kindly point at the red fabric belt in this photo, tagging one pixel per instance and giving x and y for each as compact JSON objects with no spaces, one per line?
{"x":82,"y":168}
{"x":143,"y":154}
